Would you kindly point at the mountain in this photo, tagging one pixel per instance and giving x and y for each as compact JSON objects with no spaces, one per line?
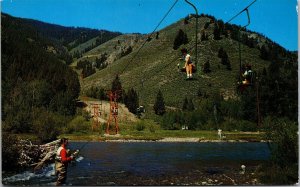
{"x":60,"y":39}
{"x":70,"y":37}
{"x":46,"y":68}
{"x":37,"y":53}
{"x":154,"y":67}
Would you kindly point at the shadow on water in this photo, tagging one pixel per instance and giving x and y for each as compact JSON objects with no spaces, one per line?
{"x":104,"y":163}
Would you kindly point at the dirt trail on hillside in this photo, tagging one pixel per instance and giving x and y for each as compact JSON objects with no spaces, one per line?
{"x":103,"y":110}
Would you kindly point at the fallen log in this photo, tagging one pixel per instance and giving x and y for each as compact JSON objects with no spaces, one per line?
{"x":49,"y":156}
{"x":36,"y":155}
{"x":53,"y":143}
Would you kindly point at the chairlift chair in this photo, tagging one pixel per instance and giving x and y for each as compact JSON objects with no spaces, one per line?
{"x":248,"y":82}
{"x":181,"y":68}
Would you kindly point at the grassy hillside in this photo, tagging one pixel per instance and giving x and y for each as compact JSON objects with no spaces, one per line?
{"x":92,"y":43}
{"x":156,"y":66}
{"x":110,"y":47}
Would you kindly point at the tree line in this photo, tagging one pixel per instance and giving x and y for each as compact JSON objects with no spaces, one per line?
{"x":38,"y":90}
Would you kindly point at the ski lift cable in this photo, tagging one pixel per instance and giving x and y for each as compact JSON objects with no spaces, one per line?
{"x":134,"y":56}
{"x":245,"y":9}
{"x":159,"y":70}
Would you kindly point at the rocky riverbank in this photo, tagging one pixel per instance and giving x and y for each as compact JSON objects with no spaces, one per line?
{"x":209,"y":175}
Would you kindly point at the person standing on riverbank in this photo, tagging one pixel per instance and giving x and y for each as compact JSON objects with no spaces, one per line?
{"x":220,"y":134}
{"x":61,"y":162}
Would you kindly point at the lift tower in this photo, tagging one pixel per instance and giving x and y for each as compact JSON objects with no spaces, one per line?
{"x":113,"y":110}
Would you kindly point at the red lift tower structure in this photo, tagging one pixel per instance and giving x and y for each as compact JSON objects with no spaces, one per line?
{"x":113,"y":110}
{"x":96,"y":114}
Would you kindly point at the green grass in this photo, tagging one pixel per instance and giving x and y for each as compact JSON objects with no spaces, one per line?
{"x":152,"y":131}
{"x":156,"y":64}
{"x":160,"y":134}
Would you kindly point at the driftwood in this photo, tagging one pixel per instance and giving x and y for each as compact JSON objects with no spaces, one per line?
{"x":49,"y":156}
{"x":36,"y":155}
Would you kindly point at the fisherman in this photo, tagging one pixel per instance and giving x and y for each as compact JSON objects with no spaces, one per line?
{"x":188,"y":63}
{"x":61,"y":162}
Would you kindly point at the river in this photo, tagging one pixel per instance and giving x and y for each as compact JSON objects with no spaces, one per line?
{"x":155,"y":163}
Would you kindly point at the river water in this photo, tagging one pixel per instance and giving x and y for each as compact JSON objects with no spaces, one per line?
{"x":153,"y":163}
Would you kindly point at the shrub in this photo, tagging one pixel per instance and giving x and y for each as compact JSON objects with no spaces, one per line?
{"x":248,"y":126}
{"x":47,"y":126}
{"x":86,"y":115}
{"x":172,"y":121}
{"x":140,"y":126}
{"x":9,"y":152}
{"x":284,"y":151}
{"x":241,"y":125}
{"x":78,"y":124}
{"x":152,"y":128}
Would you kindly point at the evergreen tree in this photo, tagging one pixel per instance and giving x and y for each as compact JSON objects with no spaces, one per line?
{"x":203,"y":36}
{"x":131,"y":100}
{"x":117,"y":87}
{"x":224,"y":59}
{"x":186,"y":20}
{"x":199,"y":93}
{"x":221,"y":26}
{"x":159,"y":106}
{"x":264,"y":54}
{"x":116,"y":84}
{"x":181,"y":38}
{"x":206,"y":67}
{"x":206,"y":25}
{"x":191,"y":106}
{"x":185,"y":104}
{"x":88,"y":70}
{"x":217,"y":33}
{"x":220,"y":52}
{"x":188,"y":104}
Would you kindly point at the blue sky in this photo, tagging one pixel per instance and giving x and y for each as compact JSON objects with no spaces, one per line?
{"x":276,"y":19}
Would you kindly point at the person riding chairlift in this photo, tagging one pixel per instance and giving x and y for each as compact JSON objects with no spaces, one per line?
{"x":188,"y":63}
{"x":247,"y":75}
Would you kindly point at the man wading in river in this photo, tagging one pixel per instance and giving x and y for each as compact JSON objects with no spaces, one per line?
{"x":61,"y":162}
